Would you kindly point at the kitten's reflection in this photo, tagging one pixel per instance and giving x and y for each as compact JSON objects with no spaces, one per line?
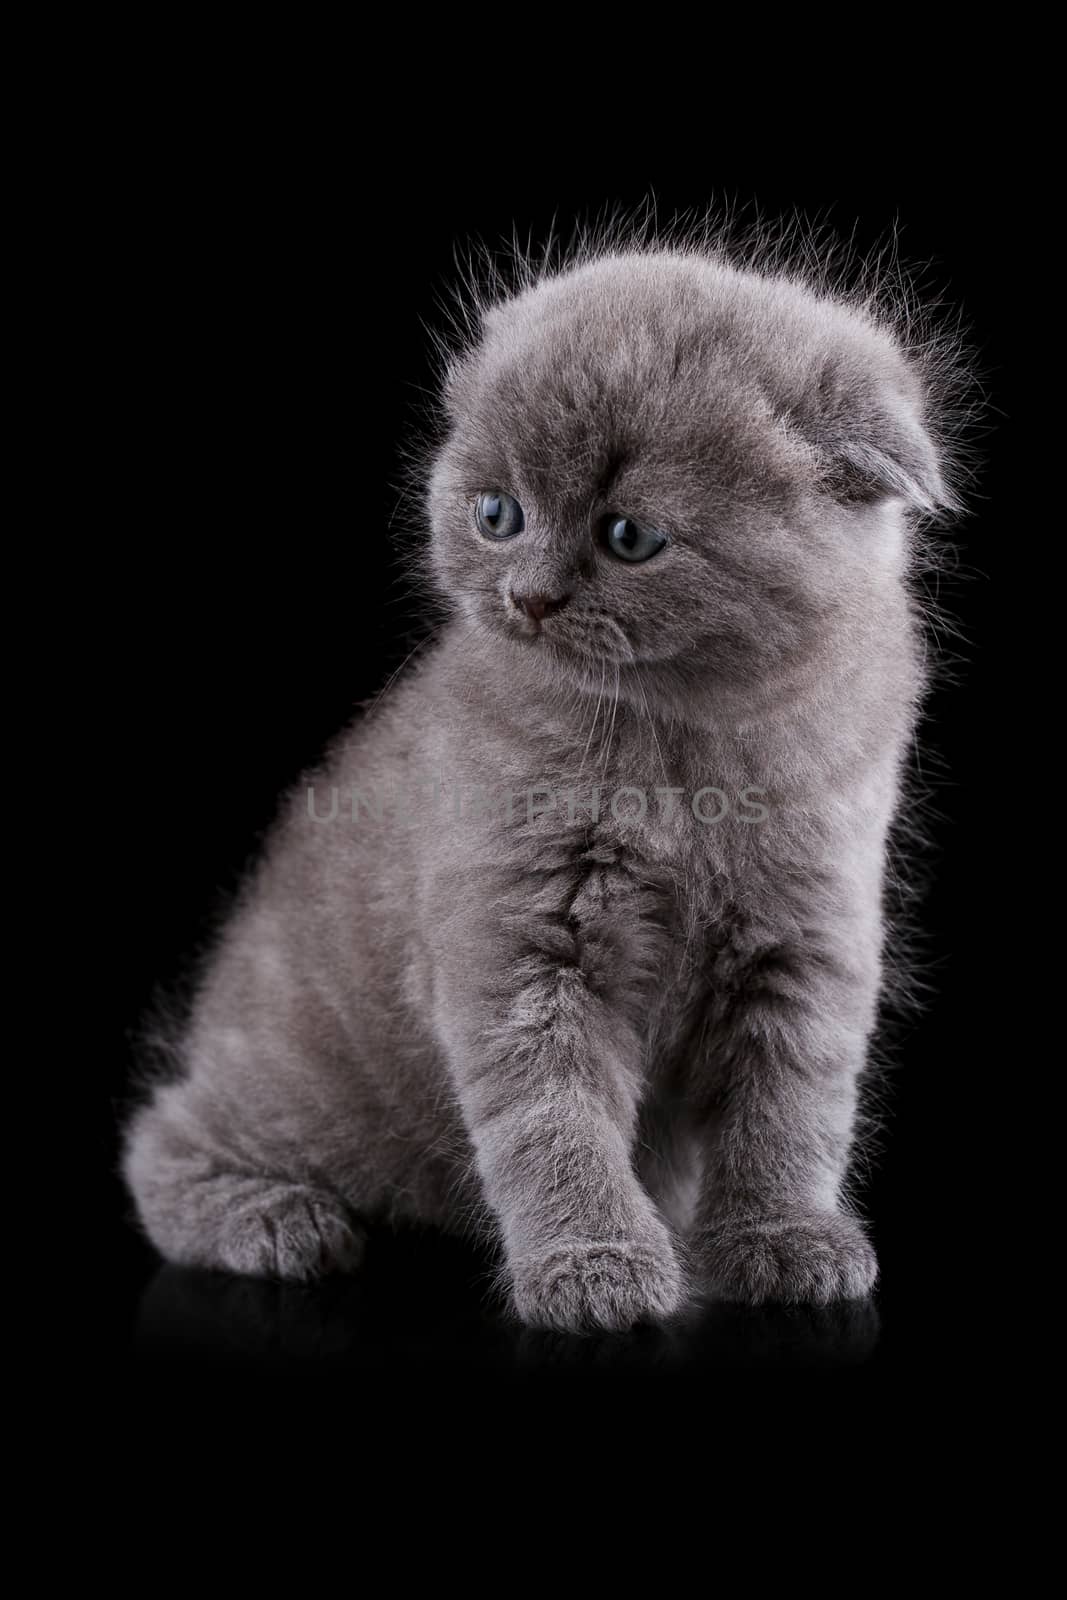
{"x":722,"y":1337}
{"x":417,"y":1301}
{"x":422,"y":1302}
{"x":845,"y":1334}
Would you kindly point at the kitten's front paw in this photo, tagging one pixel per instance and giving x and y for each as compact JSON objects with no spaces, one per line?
{"x":805,"y":1258}
{"x":588,"y":1286}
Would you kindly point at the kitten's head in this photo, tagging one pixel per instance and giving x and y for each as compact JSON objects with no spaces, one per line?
{"x":661,"y":461}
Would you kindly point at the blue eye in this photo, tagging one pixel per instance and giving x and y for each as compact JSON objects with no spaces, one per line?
{"x":630,"y":541}
{"x":499,"y":516}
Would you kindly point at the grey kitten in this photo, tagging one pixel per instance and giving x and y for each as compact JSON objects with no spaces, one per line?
{"x":575,"y":941}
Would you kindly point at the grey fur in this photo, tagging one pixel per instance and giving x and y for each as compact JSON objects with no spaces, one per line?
{"x":628,"y":1052}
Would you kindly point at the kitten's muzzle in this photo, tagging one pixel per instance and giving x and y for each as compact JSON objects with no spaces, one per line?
{"x":538,"y":606}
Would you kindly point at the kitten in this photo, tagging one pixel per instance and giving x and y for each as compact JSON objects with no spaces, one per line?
{"x":575,"y":941}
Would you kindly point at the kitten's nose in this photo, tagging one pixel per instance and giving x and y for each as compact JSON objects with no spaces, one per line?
{"x":539,"y":606}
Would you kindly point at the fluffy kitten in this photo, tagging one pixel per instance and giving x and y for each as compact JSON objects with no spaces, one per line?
{"x":620,"y":1034}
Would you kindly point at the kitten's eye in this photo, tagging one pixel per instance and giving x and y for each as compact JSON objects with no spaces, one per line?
{"x":629,"y":541}
{"x":499,"y":516}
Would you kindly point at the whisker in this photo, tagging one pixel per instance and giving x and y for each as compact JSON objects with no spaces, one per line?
{"x":596,"y":714}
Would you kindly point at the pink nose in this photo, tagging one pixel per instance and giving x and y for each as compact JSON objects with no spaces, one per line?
{"x":539,"y":606}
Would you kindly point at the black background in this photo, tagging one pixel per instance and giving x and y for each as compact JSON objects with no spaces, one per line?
{"x":267,"y":303}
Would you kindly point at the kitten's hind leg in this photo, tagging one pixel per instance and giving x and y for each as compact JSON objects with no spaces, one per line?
{"x":203,"y":1208}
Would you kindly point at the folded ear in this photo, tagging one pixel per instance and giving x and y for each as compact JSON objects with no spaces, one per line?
{"x":872,"y":443}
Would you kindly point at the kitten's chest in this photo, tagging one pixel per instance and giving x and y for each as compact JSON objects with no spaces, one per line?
{"x":668,"y":828}
{"x":674,"y":873}
{"x":676,"y":799}
{"x":692,"y":817}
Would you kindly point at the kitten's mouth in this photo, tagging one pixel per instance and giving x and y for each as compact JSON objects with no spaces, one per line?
{"x":571,"y":645}
{"x":527,"y":628}
{"x":530,"y":612}
{"x":546,"y":635}
{"x":587,"y":639}
{"x":522,"y":624}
